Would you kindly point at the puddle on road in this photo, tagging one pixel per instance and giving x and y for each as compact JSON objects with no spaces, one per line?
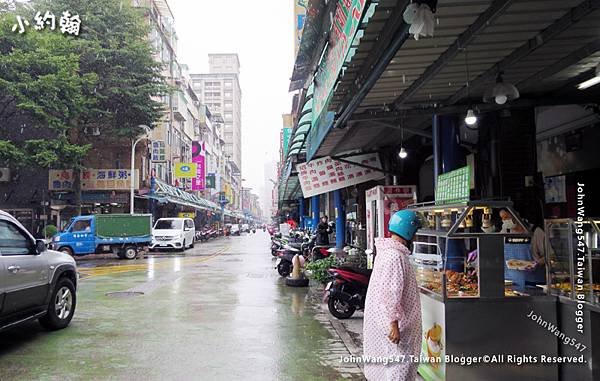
{"x":124,"y":294}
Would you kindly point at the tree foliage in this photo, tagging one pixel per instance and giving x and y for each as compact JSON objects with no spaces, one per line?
{"x":57,"y":84}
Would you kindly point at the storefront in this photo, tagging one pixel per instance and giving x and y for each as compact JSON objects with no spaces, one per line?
{"x":511,"y":100}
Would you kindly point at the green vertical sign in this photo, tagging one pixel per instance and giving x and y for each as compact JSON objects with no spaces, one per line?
{"x":345,"y":24}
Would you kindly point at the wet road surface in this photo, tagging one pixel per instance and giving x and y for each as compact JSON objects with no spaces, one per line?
{"x":219,"y":312}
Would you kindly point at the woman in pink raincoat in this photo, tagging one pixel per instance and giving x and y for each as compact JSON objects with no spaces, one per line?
{"x":392,"y":322}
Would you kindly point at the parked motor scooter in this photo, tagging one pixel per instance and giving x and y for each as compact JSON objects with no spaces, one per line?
{"x":346,"y":291}
{"x":285,"y":257}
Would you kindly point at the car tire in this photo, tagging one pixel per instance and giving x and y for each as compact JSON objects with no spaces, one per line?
{"x":192,"y":244}
{"x":183,"y":247}
{"x":61,"y":307}
{"x":130,"y":252}
{"x":67,"y":250}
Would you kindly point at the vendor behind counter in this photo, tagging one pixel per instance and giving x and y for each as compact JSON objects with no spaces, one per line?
{"x":524,"y":259}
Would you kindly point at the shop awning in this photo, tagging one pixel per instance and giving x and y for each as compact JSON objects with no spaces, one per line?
{"x":544,"y":48}
{"x":168,"y":193}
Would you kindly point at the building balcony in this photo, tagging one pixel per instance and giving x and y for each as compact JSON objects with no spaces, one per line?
{"x":179,"y":109}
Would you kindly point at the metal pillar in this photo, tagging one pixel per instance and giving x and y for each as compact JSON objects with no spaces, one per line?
{"x":448,"y":129}
{"x":436,"y":148}
{"x":340,"y":219}
{"x":151,"y":199}
{"x":301,"y":212}
{"x":315,"y":210}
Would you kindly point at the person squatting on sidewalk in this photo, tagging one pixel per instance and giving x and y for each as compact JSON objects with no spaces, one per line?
{"x":392,"y":320}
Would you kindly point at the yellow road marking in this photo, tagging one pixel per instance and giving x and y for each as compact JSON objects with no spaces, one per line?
{"x":118,"y":269}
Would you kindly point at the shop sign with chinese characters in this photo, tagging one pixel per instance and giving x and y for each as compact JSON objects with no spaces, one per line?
{"x":158,"y":154}
{"x":92,"y":179}
{"x":345,"y":24}
{"x":326,"y":174}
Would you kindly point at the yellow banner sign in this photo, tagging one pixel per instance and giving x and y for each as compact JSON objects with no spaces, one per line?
{"x":186,"y":170}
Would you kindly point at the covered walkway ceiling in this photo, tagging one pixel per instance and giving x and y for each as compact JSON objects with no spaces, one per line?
{"x":543,"y":47}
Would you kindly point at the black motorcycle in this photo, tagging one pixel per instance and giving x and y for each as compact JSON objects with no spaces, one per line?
{"x":285,"y":260}
{"x":346,"y":290}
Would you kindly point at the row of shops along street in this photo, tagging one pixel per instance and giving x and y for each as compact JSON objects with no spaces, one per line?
{"x":487,"y":125}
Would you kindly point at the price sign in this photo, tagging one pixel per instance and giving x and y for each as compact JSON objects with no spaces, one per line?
{"x":453,"y":187}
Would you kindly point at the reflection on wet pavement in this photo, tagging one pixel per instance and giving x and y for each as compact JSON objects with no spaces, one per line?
{"x":220,"y":312}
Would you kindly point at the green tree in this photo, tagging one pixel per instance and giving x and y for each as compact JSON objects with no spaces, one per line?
{"x":114,"y":45}
{"x":41,"y":88}
{"x":106,"y":77}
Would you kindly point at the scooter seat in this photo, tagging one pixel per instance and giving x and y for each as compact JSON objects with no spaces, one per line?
{"x":365,"y":272}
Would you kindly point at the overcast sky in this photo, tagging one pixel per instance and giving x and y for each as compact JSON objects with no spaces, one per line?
{"x":261,"y":33}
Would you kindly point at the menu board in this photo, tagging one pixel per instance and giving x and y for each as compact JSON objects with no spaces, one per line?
{"x":326,"y":174}
{"x":454,"y":186}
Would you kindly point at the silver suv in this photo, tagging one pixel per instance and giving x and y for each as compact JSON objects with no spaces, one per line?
{"x":35,"y":283}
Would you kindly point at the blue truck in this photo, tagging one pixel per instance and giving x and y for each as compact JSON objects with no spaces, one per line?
{"x":125,"y":235}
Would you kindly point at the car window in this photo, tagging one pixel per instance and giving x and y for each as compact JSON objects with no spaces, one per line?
{"x":82,"y":226}
{"x":13,"y":241}
{"x":168,"y":224}
{"x":190,"y":224}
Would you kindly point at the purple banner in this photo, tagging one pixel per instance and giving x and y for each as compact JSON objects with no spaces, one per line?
{"x":199,"y":183}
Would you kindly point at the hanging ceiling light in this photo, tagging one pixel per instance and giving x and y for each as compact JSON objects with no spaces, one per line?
{"x":470,"y":118}
{"x":403,"y":154}
{"x":501,"y":92}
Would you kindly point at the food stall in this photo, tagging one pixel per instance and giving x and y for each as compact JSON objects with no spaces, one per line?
{"x":469,"y":308}
{"x":381,"y":203}
{"x":573,"y":272}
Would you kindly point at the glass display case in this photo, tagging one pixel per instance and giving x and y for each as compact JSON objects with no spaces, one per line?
{"x":470,"y":267}
{"x":573,"y":257}
{"x":457,"y":252}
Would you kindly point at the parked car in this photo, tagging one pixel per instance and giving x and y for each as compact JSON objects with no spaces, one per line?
{"x":122,"y":234}
{"x":35,"y":283}
{"x":234,"y":229}
{"x":173,"y":233}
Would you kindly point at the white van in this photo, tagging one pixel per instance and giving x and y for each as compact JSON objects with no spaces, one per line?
{"x":173,"y":233}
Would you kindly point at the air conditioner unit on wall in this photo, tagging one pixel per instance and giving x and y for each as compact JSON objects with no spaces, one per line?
{"x":4,"y":175}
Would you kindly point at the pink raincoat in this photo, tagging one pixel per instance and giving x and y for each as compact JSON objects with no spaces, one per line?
{"x":392,"y":295}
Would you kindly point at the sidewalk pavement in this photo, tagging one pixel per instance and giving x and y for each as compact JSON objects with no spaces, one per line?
{"x":351,"y":333}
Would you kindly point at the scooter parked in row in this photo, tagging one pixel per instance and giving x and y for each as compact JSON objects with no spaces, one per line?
{"x":347,"y":290}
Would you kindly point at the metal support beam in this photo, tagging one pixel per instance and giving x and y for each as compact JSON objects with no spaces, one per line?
{"x":495,"y":10}
{"x":394,"y":116}
{"x":569,"y":19}
{"x":363,"y":165}
{"x":568,"y":61}
{"x":396,"y":31}
{"x":395,"y":126}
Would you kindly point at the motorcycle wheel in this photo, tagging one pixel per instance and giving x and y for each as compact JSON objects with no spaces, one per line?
{"x":339,"y":308}
{"x":284,"y":268}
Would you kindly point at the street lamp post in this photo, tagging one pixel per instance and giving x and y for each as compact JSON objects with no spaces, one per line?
{"x":132,"y":174}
